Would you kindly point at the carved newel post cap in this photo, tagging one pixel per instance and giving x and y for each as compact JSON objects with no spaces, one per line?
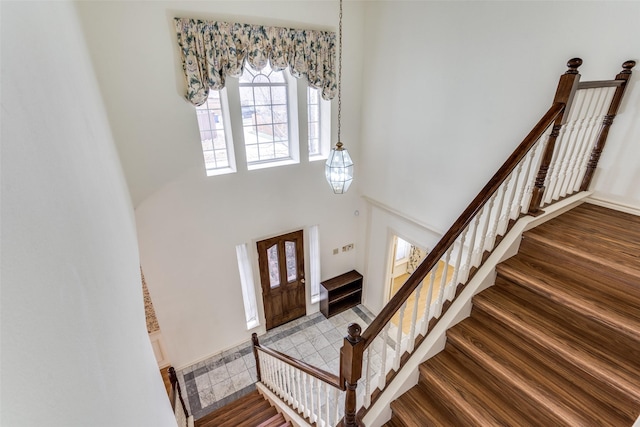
{"x":353,"y":332}
{"x":573,"y":65}
{"x":627,"y":66}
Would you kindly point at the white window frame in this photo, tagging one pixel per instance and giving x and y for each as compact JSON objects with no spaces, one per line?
{"x":314,"y":263}
{"x":292,"y":115}
{"x":324,"y":110}
{"x":228,"y":137}
{"x":298,"y":122}
{"x":248,"y":287}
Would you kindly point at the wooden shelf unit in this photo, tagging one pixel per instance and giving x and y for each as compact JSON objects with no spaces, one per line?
{"x":340,"y":293}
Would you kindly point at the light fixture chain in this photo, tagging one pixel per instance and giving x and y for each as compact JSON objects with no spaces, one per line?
{"x":340,"y":73}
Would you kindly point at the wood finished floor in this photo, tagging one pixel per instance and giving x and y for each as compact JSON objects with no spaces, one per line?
{"x":556,"y":342}
{"x":252,"y":410}
{"x":422,"y":302}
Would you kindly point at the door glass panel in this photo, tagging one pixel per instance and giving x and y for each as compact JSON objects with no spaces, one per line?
{"x":274,"y":266}
{"x":290,"y":253}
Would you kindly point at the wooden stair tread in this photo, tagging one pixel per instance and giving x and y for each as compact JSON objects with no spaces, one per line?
{"x":573,"y":291}
{"x":475,"y":398}
{"x":555,"y":367}
{"x":249,"y":410}
{"x":417,"y":408}
{"x":592,"y":251}
{"x":522,"y":372}
{"x":593,"y":280}
{"x":595,"y":336}
{"x":510,"y":313}
{"x":276,"y":420}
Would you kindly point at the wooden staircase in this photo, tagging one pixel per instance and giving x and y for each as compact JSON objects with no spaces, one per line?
{"x":252,"y":410}
{"x":556,"y":341}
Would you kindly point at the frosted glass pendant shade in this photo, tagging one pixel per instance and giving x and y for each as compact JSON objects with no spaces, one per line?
{"x":339,"y":169}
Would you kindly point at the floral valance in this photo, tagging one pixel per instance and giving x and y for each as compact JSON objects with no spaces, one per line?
{"x":212,"y":51}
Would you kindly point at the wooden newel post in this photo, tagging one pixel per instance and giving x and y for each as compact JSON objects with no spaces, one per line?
{"x":255,"y":345}
{"x":624,"y":75}
{"x":564,"y":94}
{"x":350,"y":371}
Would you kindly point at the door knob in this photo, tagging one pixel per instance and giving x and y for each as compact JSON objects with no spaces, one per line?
{"x":302,"y":280}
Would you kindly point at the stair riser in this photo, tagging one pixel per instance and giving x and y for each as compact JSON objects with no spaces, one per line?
{"x":574,"y":303}
{"x":559,"y":254}
{"x":516,"y":326}
{"x":608,"y":406}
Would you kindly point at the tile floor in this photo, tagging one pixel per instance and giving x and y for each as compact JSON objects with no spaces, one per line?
{"x":221,"y":379}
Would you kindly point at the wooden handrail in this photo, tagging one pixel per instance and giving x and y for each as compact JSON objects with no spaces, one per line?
{"x":318,"y":373}
{"x":460,"y":224}
{"x":175,"y":388}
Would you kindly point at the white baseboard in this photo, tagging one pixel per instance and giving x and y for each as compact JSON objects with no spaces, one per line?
{"x":600,"y":200}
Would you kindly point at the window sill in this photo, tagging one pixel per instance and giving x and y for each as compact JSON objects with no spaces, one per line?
{"x":214,"y":172}
{"x":272,"y":164}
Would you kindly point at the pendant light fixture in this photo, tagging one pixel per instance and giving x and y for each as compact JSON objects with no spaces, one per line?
{"x":339,"y":166}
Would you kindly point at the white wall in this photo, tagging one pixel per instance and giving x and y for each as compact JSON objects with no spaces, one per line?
{"x":451,"y":88}
{"x":188,"y":224}
{"x":75,"y":350}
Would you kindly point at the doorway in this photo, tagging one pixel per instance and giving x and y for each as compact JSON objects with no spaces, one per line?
{"x":281,"y":263}
{"x":406,"y":257}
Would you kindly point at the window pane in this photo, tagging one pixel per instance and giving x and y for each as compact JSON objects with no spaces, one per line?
{"x":262,"y":95}
{"x":252,"y":153}
{"x":265,"y":115}
{"x":266,"y":152}
{"x":279,"y":94}
{"x":207,"y":142}
{"x":280,"y":114}
{"x":314,"y":122}
{"x":246,"y":95}
{"x":265,"y":134}
{"x":250,"y":135}
{"x":274,"y":266}
{"x":212,"y":132}
{"x":290,"y":253}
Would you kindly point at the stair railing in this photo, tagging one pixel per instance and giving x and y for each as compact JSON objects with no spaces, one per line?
{"x":555,"y":160}
{"x":315,"y":394}
{"x":177,"y":402}
{"x":563,"y":148}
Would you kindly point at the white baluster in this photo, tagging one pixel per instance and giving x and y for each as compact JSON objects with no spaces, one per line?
{"x":427,"y":310}
{"x":319,"y":397}
{"x":506,"y":216}
{"x":337,"y":406}
{"x":494,"y":228}
{"x":573,"y":131}
{"x":312,"y":417}
{"x":383,"y":369}
{"x":552,"y":172}
{"x":398,"y":354}
{"x":577,"y":138}
{"x":327,"y":404}
{"x":529,"y":179}
{"x":414,"y":318}
{"x":443,"y":282}
{"x":483,"y":236}
{"x":453,"y":284}
{"x":473,"y":232}
{"x":305,"y":399}
{"x":367,"y":378}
